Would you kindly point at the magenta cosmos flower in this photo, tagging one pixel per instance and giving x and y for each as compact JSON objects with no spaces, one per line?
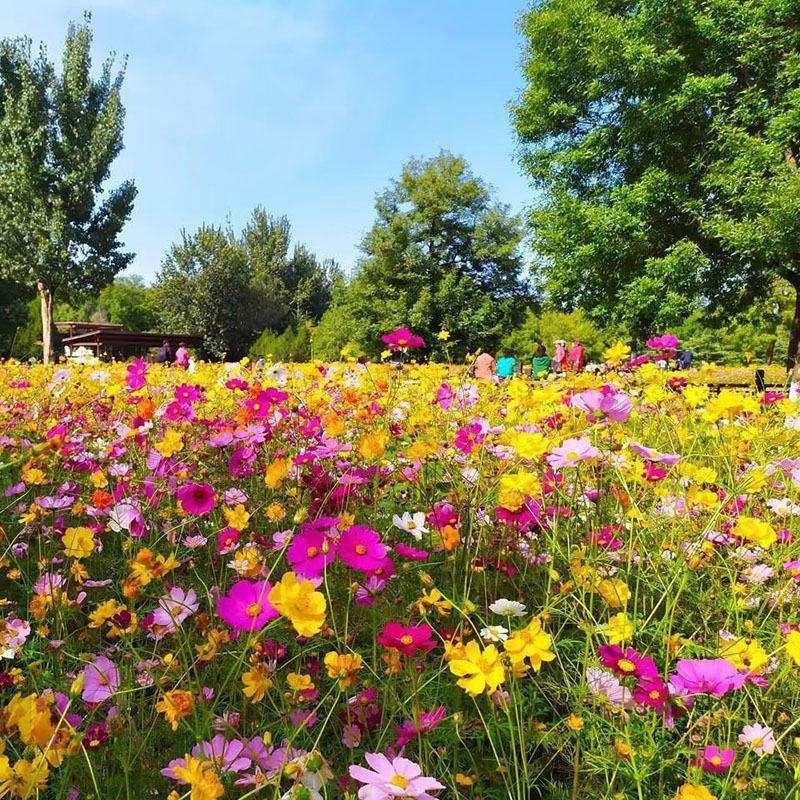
{"x":571,"y":452}
{"x":402,"y":339}
{"x":390,"y":779}
{"x":628,"y":662}
{"x":361,"y":548}
{"x":407,"y":638}
{"x":196,"y":498}
{"x":705,"y":676}
{"x":100,"y":680}
{"x":311,"y":551}
{"x":245,"y":607}
{"x":425,"y":722}
{"x":712,"y":759}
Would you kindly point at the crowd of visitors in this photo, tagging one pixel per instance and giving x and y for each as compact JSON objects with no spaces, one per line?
{"x":565,"y":359}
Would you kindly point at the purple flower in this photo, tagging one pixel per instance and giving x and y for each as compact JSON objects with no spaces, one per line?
{"x":705,"y":676}
{"x":601,"y":404}
{"x":100,"y":680}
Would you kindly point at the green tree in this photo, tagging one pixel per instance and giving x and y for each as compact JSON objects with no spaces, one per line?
{"x":442,"y":255}
{"x":14,"y":301}
{"x":59,"y":135}
{"x":665,"y":140}
{"x":127,"y":302}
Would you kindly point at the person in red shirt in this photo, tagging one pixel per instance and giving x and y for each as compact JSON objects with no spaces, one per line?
{"x":485,"y":367}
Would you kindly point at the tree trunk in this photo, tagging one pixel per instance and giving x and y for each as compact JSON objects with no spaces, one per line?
{"x":46,"y":307}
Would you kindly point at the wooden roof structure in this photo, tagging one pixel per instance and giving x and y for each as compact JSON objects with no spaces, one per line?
{"x":115,"y":341}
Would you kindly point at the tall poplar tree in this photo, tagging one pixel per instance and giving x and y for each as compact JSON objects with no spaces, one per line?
{"x":59,"y":134}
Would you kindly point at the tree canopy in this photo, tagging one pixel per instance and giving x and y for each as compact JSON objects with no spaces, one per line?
{"x":442,"y":255}
{"x":59,"y":134}
{"x":231,"y":288}
{"x":664,"y":139}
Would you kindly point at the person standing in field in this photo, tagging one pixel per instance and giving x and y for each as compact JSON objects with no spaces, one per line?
{"x":540,"y":364}
{"x":560,"y":356}
{"x":506,"y":366}
{"x":485,"y":367}
{"x":182,"y":356}
{"x":575,"y":357}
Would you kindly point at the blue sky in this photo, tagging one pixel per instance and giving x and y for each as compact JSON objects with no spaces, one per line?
{"x":307,"y":107}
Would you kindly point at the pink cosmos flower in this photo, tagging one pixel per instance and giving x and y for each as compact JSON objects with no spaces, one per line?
{"x":100,"y":680}
{"x":599,"y":405}
{"x":712,"y":759}
{"x":471,"y":435}
{"x":715,"y":676}
{"x":389,"y":779}
{"x":245,"y":607}
{"x":137,"y":374}
{"x":126,"y":516}
{"x":606,"y":687}
{"x":652,"y":692}
{"x":759,"y":738}
{"x":196,"y":498}
{"x":311,"y":551}
{"x":407,"y":638}
{"x":361,"y":548}
{"x":175,"y":607}
{"x":571,"y":452}
{"x":666,"y":342}
{"x":412,"y":553}
{"x":402,"y":339}
{"x":425,"y":722}
{"x":649,"y":454}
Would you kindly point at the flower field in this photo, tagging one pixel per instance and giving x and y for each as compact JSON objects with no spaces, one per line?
{"x":375,"y":581}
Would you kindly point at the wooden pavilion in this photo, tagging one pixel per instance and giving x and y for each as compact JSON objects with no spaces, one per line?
{"x":111,"y":340}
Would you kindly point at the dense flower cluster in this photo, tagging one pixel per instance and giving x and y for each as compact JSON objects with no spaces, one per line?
{"x":388,"y":581}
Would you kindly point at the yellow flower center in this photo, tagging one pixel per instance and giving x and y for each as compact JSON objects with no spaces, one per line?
{"x":757,"y":742}
{"x":654,"y":694}
{"x":311,"y":552}
{"x":715,"y":760}
{"x":253,"y":610}
{"x":400,"y":781}
{"x":406,"y":639}
{"x":572,"y":456}
{"x":361,"y":549}
{"x":626,"y":666}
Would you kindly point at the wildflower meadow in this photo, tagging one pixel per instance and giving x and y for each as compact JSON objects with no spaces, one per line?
{"x":390,"y":580}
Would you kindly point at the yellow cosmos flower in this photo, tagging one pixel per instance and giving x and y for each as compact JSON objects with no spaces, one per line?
{"x":300,"y":603}
{"x":175,"y":705}
{"x":78,"y":542}
{"x":755,"y":530}
{"x":256,"y":683}
{"x":793,"y":646}
{"x":479,"y":670}
{"x":236,"y":517}
{"x":617,"y":354}
{"x":276,"y":473}
{"x":344,"y":666}
{"x":618,"y":629}
{"x":170,"y":443}
{"x":532,"y":643}
{"x":25,"y":778}
{"x":201,"y":777}
{"x":691,"y":792}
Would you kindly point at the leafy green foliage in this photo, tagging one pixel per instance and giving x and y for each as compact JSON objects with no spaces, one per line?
{"x":59,"y":135}
{"x":665,"y":139}
{"x":441,"y":255}
{"x":127,"y":302}
{"x":232,"y":288}
{"x":294,"y":344}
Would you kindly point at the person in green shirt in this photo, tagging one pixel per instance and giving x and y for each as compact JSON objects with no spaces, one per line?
{"x":540,"y":364}
{"x":506,"y":366}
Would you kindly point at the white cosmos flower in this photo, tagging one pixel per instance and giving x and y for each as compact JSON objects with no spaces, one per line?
{"x":508,"y":608}
{"x":411,"y":523}
{"x":494,"y":633}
